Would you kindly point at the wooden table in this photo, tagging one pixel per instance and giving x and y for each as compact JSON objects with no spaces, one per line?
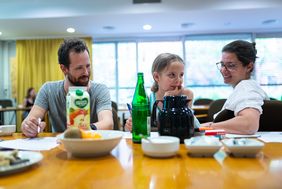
{"x":8,"y":109}
{"x":127,"y":167}
{"x":201,"y":112}
{"x":201,"y":108}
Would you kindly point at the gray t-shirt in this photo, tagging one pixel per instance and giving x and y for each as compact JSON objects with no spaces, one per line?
{"x":52,"y":97}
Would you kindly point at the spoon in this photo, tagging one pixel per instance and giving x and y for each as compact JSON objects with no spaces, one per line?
{"x":146,"y":138}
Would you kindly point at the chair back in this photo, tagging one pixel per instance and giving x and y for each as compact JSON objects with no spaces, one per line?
{"x":202,"y":101}
{"x":271,"y":117}
{"x":6,"y":103}
{"x":215,"y":107}
{"x":117,"y":124}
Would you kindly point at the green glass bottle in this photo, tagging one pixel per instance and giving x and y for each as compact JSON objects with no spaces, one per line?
{"x":140,"y":112}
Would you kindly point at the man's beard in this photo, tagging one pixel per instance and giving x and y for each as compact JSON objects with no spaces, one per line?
{"x":76,"y":82}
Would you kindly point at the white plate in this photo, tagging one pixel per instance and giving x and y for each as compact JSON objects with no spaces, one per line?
{"x":6,"y":130}
{"x":202,"y":146}
{"x":33,"y":157}
{"x":162,"y":146}
{"x":92,"y":147}
{"x":243,"y":147}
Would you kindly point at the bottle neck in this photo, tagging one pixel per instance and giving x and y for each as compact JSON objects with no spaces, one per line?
{"x":140,"y":96}
{"x":140,"y":79}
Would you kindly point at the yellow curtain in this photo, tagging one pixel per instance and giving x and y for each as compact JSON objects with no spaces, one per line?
{"x":37,"y":62}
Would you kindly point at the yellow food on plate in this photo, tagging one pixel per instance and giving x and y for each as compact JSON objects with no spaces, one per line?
{"x":90,"y":135}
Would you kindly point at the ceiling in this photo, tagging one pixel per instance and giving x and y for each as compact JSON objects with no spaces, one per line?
{"x":29,"y":19}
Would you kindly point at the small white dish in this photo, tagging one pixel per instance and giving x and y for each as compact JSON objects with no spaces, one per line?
{"x":243,"y":147}
{"x":92,"y":147}
{"x":160,"y":147}
{"x":6,"y":130}
{"x":202,"y":146}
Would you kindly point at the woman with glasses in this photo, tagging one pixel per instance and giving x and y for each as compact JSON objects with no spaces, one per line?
{"x":242,"y":108}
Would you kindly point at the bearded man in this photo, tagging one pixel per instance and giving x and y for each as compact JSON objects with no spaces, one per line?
{"x":73,"y":56}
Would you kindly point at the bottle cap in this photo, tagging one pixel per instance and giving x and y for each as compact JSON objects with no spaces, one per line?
{"x":78,"y":92}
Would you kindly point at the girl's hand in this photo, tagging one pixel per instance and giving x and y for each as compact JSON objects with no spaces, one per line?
{"x":128,"y":124}
{"x":176,"y":92}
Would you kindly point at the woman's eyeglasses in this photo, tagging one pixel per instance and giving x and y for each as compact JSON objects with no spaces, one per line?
{"x":229,"y":66}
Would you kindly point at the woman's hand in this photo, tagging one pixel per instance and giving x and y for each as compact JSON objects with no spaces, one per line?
{"x":207,"y":125}
{"x":128,"y":124}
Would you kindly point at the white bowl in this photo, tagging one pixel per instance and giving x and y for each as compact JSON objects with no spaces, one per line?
{"x":243,"y":147}
{"x":202,"y":146}
{"x":7,"y":130}
{"x":162,"y":146}
{"x":92,"y":147}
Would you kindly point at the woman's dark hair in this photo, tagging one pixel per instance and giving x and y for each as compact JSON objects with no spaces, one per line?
{"x":160,"y":63}
{"x":70,"y":45}
{"x":28,"y":93}
{"x":245,"y":51}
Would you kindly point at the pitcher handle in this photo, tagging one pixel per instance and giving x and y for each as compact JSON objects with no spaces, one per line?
{"x":154,"y":111}
{"x":187,"y":101}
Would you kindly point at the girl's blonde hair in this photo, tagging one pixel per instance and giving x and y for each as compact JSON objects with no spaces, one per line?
{"x":161,"y":62}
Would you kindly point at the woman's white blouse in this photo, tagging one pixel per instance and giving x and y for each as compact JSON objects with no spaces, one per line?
{"x":246,"y":94}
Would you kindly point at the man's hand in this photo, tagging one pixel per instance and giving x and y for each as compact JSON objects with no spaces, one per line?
{"x":31,"y":126}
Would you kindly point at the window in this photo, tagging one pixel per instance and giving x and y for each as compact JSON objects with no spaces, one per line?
{"x":269,"y":65}
{"x":119,"y":60}
{"x":201,"y":55}
{"x":148,"y":51}
{"x":104,"y":57}
{"x":127,"y":68}
{"x":116,"y":64}
{"x":269,"y":61}
{"x":202,"y":75}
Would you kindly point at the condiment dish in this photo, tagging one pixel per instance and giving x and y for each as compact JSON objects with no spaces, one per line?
{"x":244,"y":147}
{"x":202,"y":146}
{"x":161,"y":146}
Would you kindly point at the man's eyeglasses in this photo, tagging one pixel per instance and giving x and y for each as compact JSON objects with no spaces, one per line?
{"x":229,"y":66}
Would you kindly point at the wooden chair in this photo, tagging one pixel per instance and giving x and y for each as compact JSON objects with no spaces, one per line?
{"x":4,"y":103}
{"x":202,"y":101}
{"x":117,"y":125}
{"x":215,"y":107}
{"x":202,"y":114}
{"x":270,"y":119}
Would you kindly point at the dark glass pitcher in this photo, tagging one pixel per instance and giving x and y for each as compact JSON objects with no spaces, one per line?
{"x":175,"y":118}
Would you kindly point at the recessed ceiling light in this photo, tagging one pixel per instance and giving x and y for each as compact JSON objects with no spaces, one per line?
{"x":146,"y":1}
{"x":187,"y":25}
{"x":0,"y":33}
{"x":147,"y":27}
{"x":108,"y":27}
{"x":71,"y":30}
{"x":269,"y":21}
